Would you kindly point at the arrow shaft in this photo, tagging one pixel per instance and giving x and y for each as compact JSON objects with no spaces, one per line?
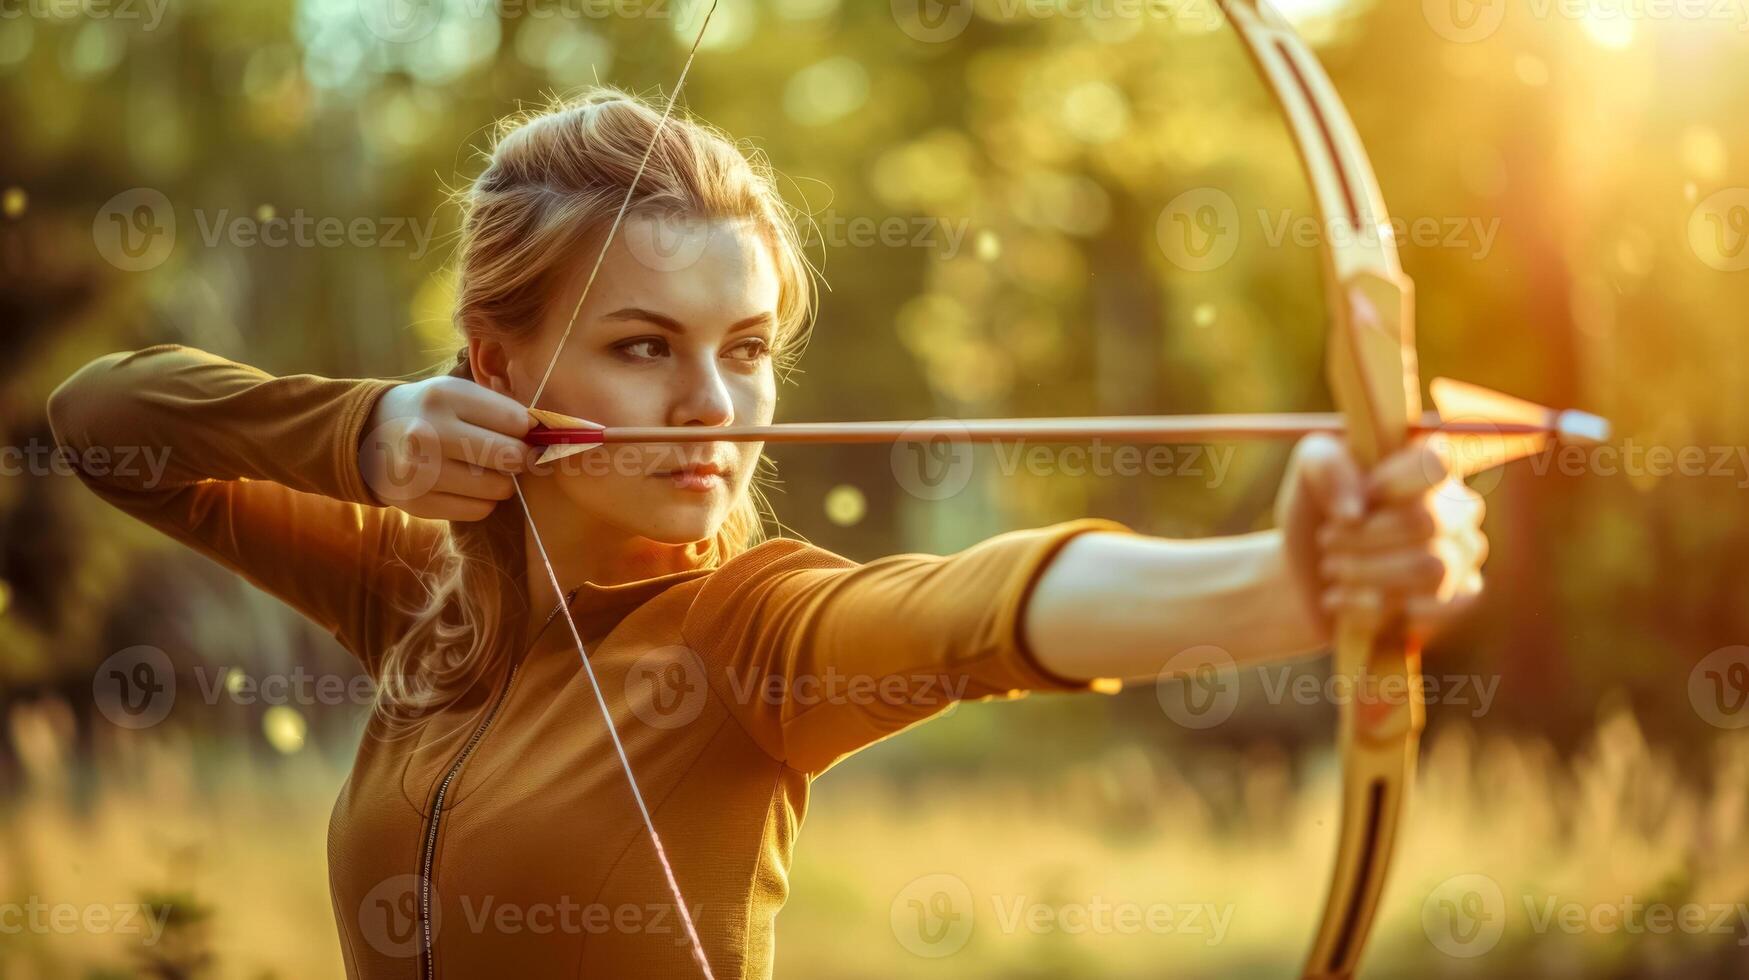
{"x":1136,"y":430}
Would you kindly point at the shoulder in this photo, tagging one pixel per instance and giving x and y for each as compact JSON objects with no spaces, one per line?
{"x":736,"y":589}
{"x":773,"y":558}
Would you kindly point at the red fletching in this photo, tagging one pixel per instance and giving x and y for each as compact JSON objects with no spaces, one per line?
{"x":541,"y":435}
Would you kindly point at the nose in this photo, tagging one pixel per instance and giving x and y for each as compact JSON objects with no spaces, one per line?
{"x":704,"y":399}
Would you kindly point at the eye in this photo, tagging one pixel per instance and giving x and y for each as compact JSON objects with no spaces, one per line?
{"x":642,"y":348}
{"x":750,"y":349}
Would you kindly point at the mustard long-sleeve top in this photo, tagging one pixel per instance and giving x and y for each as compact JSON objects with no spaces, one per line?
{"x":502,"y":826}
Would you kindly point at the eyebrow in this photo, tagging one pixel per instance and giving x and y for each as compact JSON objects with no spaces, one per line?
{"x":672,"y":325}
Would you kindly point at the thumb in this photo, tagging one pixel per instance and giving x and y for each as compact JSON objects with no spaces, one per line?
{"x":1331,"y":477}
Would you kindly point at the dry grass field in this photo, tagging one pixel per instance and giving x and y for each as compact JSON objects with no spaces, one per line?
{"x":1515,"y":864}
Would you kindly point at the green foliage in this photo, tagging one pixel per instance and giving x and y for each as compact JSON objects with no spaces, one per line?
{"x":1557,"y":184}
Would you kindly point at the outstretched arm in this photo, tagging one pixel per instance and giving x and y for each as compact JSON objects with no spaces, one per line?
{"x":1407,"y":537}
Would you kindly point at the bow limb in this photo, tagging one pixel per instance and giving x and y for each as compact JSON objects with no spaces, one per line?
{"x":1376,"y":384}
{"x":685,"y":914}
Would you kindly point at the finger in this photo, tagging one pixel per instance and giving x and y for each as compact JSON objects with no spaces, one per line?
{"x":1409,"y":522}
{"x":1409,"y":473}
{"x":492,"y":410}
{"x":478,"y":446}
{"x":477,"y":484}
{"x":1329,"y":473}
{"x":1346,"y":602}
{"x":1477,"y":546}
{"x":1398,"y":527}
{"x":450,"y":507}
{"x":1408,"y":571}
{"x":1468,"y":549}
{"x":1425,"y":616}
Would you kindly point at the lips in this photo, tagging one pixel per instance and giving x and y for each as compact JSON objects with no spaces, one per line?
{"x":698,"y":477}
{"x":694,"y":469}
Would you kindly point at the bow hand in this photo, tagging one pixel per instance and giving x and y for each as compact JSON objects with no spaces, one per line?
{"x":1404,"y":541}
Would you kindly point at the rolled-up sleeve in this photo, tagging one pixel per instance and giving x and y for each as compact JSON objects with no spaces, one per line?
{"x":819,"y":656}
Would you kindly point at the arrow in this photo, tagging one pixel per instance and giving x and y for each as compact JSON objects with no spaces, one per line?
{"x":1483,"y":425}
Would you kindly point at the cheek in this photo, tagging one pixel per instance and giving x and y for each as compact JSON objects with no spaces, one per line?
{"x":759,"y":404}
{"x":746,"y":464}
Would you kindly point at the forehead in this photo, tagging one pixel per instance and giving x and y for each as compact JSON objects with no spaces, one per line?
{"x":690,"y":266}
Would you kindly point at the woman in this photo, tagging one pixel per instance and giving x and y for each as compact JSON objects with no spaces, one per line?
{"x":489,"y":827}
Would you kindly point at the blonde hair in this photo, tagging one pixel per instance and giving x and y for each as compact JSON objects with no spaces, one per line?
{"x":554,"y":180}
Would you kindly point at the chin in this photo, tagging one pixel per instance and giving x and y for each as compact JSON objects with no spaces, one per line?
{"x":654,"y":509}
{"x":685,"y":525}
{"x":676,"y":523}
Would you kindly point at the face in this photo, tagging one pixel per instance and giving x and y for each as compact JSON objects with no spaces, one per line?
{"x":679,"y":329}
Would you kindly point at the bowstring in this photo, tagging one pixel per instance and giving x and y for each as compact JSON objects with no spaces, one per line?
{"x":619,"y":748}
{"x":624,"y":206}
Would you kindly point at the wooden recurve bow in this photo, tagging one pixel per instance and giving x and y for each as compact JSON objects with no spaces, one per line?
{"x":1374,"y":378}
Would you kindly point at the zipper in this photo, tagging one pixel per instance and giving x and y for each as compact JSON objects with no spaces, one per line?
{"x":428,"y":856}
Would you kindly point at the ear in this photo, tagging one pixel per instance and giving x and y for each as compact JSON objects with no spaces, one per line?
{"x":491,"y":364}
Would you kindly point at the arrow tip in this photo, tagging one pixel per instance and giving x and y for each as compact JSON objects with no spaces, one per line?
{"x":1582,"y":428}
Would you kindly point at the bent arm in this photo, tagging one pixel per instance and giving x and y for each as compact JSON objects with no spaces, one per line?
{"x":257,"y":472}
{"x":1117,"y":605}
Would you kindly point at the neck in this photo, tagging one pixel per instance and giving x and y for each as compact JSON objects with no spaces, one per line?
{"x":584,"y":549}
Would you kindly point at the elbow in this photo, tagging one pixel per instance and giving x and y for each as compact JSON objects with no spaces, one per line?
{"x":78,"y":406}
{"x":72,"y":404}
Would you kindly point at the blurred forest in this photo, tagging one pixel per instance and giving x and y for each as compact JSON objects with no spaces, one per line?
{"x":994,"y":191}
